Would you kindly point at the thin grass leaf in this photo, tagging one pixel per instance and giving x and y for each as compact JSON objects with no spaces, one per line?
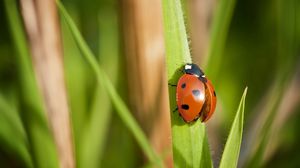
{"x":190,"y":147}
{"x":78,"y":90}
{"x":40,"y":140}
{"x":120,"y":106}
{"x":94,"y":138}
{"x":255,"y":160}
{"x":177,"y":48}
{"x":219,"y":31}
{"x":12,"y":132}
{"x":232,"y":148}
{"x":287,"y":53}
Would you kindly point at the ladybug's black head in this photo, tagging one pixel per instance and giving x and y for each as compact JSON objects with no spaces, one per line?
{"x":193,"y":69}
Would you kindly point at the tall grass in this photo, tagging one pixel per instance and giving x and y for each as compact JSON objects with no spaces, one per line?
{"x":251,"y":44}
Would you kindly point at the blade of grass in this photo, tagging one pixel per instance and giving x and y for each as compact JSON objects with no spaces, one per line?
{"x":93,"y":141}
{"x":40,"y":140}
{"x":12,"y":132}
{"x":220,"y":26}
{"x":79,"y":88}
{"x":120,"y":106}
{"x":190,"y":147}
{"x":42,"y":28}
{"x":232,"y":148}
{"x":262,"y":137}
{"x":177,"y":49}
{"x":287,"y":54}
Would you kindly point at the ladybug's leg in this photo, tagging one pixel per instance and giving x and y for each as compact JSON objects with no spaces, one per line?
{"x":196,"y":118}
{"x":172,"y":85}
{"x":175,"y":109}
{"x":182,"y":71}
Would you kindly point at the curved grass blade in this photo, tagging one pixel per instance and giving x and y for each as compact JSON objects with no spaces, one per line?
{"x":190,"y":147}
{"x":287,"y":23}
{"x":77,"y":89}
{"x":12,"y":132}
{"x":103,"y":80}
{"x":39,"y":137}
{"x":219,"y":31}
{"x":232,"y":148}
{"x":95,"y":136}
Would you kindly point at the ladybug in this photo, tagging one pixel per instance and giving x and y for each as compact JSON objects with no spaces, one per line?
{"x":195,"y":95}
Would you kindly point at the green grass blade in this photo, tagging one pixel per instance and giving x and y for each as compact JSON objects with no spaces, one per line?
{"x":40,"y":140}
{"x":263,"y":136}
{"x":206,"y":160}
{"x":232,"y":148}
{"x":190,"y":147}
{"x":121,"y":108}
{"x":177,"y":48}
{"x":95,"y":136}
{"x":220,"y":26}
{"x":12,"y":133}
{"x":79,"y":89}
{"x":286,"y":55}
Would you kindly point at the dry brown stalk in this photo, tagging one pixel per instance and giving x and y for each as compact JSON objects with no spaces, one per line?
{"x":144,"y":50}
{"x":42,"y":27}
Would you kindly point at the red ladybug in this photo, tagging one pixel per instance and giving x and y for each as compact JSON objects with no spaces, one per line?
{"x":195,"y":95}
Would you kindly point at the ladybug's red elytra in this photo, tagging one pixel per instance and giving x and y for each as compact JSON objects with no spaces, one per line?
{"x":195,"y":95}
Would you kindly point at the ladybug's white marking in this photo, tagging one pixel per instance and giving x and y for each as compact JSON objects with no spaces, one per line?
{"x":202,"y":97}
{"x":188,"y":67}
{"x":203,"y":76}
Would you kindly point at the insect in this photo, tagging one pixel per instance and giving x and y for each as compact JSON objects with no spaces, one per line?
{"x":195,"y":95}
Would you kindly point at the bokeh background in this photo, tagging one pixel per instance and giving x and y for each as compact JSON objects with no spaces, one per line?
{"x":261,"y":51}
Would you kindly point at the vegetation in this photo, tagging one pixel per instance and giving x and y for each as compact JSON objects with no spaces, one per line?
{"x":119,"y":57}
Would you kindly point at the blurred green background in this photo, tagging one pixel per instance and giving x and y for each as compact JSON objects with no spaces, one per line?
{"x":262,"y":51}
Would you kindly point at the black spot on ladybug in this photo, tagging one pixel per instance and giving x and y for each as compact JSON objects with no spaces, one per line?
{"x":196,"y":92}
{"x":185,"y":106}
{"x":183,"y":85}
{"x":215,"y":94}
